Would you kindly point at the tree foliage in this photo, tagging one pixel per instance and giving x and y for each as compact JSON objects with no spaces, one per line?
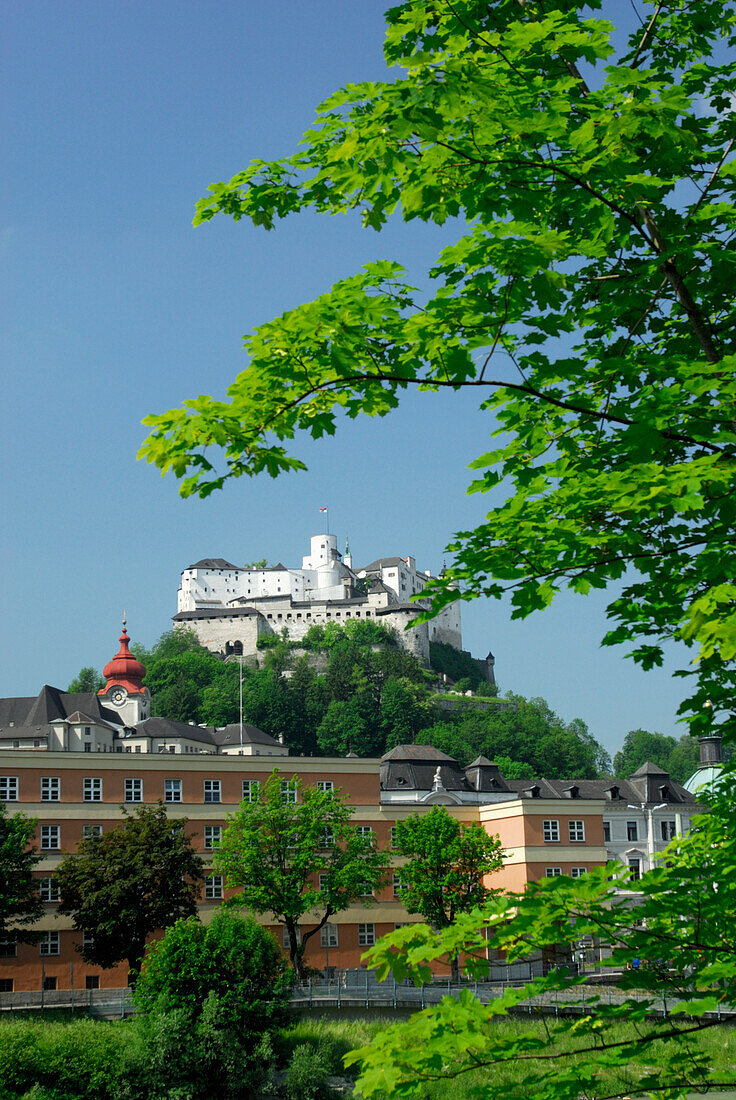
{"x":588,"y":298}
{"x":129,"y":882}
{"x":299,"y":858}
{"x":235,"y":960}
{"x":677,"y":756}
{"x":20,"y":904}
{"x":522,"y":733}
{"x":87,"y":679}
{"x":445,"y":865}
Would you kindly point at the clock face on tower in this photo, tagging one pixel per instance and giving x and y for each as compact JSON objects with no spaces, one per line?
{"x":118,"y":696}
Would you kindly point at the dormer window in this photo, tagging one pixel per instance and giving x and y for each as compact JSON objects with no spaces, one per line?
{"x":612,"y":793}
{"x":572,"y":792}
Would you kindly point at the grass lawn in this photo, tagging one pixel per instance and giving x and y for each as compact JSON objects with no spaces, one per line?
{"x":335,"y":1036}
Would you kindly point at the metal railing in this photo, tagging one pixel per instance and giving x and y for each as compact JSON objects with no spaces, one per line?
{"x":359,"y":989}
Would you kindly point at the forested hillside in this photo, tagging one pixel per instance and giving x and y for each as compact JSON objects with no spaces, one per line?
{"x":353,"y":689}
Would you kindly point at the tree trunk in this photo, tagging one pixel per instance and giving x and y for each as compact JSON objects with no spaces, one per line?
{"x":295,"y":953}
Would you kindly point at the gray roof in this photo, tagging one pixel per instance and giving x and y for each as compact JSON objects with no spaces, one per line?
{"x":383,"y":563}
{"x":648,"y":768}
{"x":419,"y":753}
{"x":213,"y":563}
{"x":18,"y":733}
{"x":53,"y":705}
{"x":413,"y":767}
{"x":252,"y":735}
{"x":214,"y":613}
{"x":166,"y":727}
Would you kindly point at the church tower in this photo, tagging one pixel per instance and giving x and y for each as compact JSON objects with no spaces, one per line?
{"x":124,"y":691}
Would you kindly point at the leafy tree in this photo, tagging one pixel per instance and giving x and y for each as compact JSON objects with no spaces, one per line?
{"x":679,"y":758}
{"x":527,"y":732}
{"x":588,"y":299}
{"x":87,"y":679}
{"x":277,"y":849}
{"x":20,"y":903}
{"x":446,"y":863}
{"x":233,"y":959}
{"x":210,"y":996}
{"x":128,"y":883}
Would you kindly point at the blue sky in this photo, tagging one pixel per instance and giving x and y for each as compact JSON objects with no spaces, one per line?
{"x":115,"y":118}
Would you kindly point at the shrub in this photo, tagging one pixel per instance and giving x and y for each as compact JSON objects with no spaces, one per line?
{"x":306,"y":1076}
{"x":209,"y":996}
{"x":60,"y":1061}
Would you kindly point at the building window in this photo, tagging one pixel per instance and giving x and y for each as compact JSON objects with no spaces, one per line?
{"x":668,"y":830}
{"x":50,"y":838}
{"x":366,"y":890}
{"x":212,"y":790}
{"x":398,"y":886}
{"x":551,"y":831}
{"x":212,"y":836}
{"x":48,"y":889}
{"x":251,"y":790}
{"x":50,"y":788}
{"x":632,"y":831}
{"x":172,"y":790}
{"x":88,"y":941}
{"x":576,"y":831}
{"x":133,"y":790}
{"x":8,"y":948}
{"x":9,"y":788}
{"x":49,"y":943}
{"x":327,"y":839}
{"x":552,"y":872}
{"x":49,"y":981}
{"x":6,"y":985}
{"x":91,"y":790}
{"x":634,"y":869}
{"x":328,"y":935}
{"x":213,"y":887}
{"x":366,"y":831}
{"x":285,"y":935}
{"x":606,"y":832}
{"x":366,"y":935}
{"x":92,"y":981}
{"x":88,"y":831}
{"x":576,"y":872}
{"x":394,"y":836}
{"x":324,"y":880}
{"x":326,"y":786}
{"x":288,"y":790}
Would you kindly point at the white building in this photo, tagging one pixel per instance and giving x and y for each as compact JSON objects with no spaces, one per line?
{"x":117,"y":719}
{"x":230,"y":608}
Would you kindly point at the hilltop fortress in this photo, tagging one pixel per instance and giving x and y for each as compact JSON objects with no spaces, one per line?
{"x":230,"y":608}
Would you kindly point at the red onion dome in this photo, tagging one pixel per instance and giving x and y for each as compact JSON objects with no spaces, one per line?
{"x":124,"y":668}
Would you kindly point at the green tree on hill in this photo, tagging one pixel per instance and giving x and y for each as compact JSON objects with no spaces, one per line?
{"x":678,"y":757}
{"x":87,"y":679}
